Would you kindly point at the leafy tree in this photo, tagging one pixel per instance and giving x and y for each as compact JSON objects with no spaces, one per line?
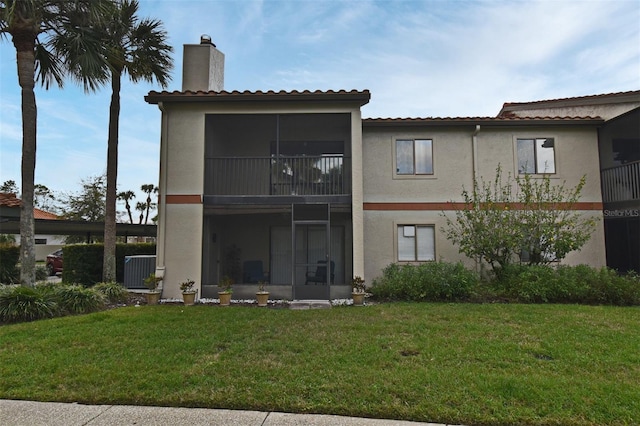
{"x":535,"y":224}
{"x":44,"y":199}
{"x":551,"y":227}
{"x":87,"y":205}
{"x":137,"y":48}
{"x":34,"y":26}
{"x":485,"y":229}
{"x":9,"y":187}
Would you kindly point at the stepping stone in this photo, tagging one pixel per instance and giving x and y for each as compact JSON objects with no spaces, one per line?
{"x":299,"y":305}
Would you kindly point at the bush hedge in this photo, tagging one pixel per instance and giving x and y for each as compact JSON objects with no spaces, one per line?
{"x":83,"y":262}
{"x":441,"y":281}
{"x":432,"y":281}
{"x":9,"y":256}
{"x":568,"y":284}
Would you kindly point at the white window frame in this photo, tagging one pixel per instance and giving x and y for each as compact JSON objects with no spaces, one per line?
{"x":414,"y":175}
{"x":413,"y":228}
{"x":536,"y":139}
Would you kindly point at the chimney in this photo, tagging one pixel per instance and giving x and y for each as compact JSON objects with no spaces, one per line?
{"x":202,"y":67}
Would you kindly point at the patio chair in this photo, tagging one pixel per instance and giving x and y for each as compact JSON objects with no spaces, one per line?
{"x":253,"y":272}
{"x":320,"y":274}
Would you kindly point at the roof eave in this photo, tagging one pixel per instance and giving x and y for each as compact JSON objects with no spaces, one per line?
{"x":359,"y":97}
{"x":493,"y":122}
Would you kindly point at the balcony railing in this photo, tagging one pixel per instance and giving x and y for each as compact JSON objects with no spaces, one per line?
{"x":621,"y":183}
{"x":317,"y":175}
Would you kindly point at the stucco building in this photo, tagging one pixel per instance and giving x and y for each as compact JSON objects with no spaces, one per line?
{"x":295,"y":188}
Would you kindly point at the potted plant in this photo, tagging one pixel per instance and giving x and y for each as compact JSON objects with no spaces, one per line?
{"x":188,"y":292}
{"x":153,"y":296}
{"x":358,"y":290}
{"x":262,"y":294}
{"x":225,"y":290}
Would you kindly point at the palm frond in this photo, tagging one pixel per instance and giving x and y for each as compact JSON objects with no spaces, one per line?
{"x":49,"y":67}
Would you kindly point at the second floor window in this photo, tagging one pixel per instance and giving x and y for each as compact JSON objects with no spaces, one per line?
{"x":536,"y":156}
{"x":414,"y":157}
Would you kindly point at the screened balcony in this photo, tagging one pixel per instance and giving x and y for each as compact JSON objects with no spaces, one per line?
{"x":325,"y":175}
{"x":621,"y":183}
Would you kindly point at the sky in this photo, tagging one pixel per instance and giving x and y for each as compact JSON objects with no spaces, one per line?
{"x":417,"y":58}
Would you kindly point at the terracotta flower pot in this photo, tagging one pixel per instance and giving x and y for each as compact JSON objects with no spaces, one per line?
{"x":225,"y":298}
{"x":263,"y":298}
{"x":153,"y":297}
{"x":189,"y":298}
{"x":358,"y":299}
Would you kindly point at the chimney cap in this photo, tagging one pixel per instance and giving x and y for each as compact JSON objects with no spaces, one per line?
{"x":206,"y":39}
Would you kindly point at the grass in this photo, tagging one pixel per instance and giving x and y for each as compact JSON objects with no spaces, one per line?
{"x":456,"y":363}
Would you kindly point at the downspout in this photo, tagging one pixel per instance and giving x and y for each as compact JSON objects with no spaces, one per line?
{"x":474,"y":151}
{"x":474,"y":161}
{"x":162,"y":204}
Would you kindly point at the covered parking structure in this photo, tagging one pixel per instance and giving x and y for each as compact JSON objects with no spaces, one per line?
{"x":77,"y":227}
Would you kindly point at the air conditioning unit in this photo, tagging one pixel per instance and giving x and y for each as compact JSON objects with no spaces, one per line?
{"x":137,"y":268}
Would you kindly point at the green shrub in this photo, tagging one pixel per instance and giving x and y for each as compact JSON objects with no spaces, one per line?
{"x":20,"y":303}
{"x":9,"y":256}
{"x":113,"y":292}
{"x":607,"y":287}
{"x":567,"y":284}
{"x":431,"y":281}
{"x":76,"y":299}
{"x":41,"y":273}
{"x":83,"y":262}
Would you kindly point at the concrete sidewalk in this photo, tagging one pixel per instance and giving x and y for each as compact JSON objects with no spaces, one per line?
{"x":28,"y":413}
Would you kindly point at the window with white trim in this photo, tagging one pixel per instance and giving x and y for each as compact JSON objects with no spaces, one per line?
{"x":536,"y":156}
{"x":416,"y":243}
{"x":414,"y":157}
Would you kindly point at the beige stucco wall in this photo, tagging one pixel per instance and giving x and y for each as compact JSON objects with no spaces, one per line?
{"x":180,"y":223}
{"x":182,"y":244}
{"x":576,"y":154}
{"x":452,"y":165}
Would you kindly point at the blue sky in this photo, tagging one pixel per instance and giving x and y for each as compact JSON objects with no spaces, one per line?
{"x":418,"y":59}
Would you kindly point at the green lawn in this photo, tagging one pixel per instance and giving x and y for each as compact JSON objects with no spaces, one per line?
{"x":468,"y":364}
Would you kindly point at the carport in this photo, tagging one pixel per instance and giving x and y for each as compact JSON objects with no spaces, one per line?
{"x":76,"y":227}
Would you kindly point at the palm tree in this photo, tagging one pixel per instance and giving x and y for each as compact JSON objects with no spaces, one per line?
{"x":34,"y":26}
{"x":126,"y":196}
{"x":138,"y":48}
{"x":149,"y":189}
{"x":141,"y":207}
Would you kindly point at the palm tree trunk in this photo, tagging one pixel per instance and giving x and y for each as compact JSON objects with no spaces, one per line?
{"x":25,"y":45}
{"x":109,"y":261}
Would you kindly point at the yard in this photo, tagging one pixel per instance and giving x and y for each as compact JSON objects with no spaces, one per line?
{"x":473,"y":364}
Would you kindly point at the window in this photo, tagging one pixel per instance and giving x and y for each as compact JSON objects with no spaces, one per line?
{"x":536,"y":156}
{"x":40,"y":241}
{"x":416,"y":243}
{"x":414,"y":157}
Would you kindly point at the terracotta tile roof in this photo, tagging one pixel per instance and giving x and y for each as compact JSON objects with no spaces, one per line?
{"x":493,"y":121}
{"x":41,"y":214}
{"x":11,"y":200}
{"x":631,"y":94}
{"x":225,"y":96}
